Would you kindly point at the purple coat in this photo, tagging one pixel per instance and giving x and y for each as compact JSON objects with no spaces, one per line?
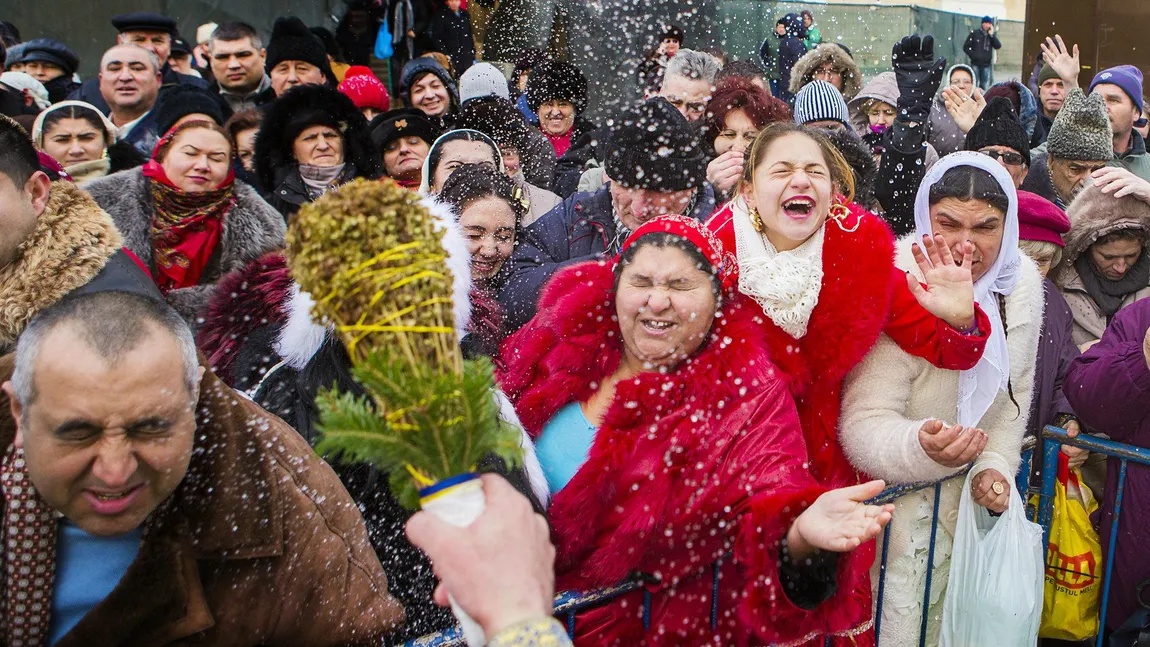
{"x":1056,"y":350}
{"x":1109,"y":388}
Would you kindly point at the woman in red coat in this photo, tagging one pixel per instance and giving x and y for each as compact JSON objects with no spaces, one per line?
{"x":670,"y":442}
{"x":821,"y":270}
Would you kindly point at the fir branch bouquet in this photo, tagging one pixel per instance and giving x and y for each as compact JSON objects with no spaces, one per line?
{"x":372,"y":257}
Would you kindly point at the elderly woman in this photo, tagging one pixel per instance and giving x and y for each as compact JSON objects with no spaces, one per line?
{"x":312,"y":139}
{"x":821,"y":271}
{"x":945,"y":134}
{"x":668,"y":440}
{"x":1105,"y":267}
{"x":83,"y":141}
{"x":738,"y":110}
{"x":185,"y":216}
{"x":908,"y":421}
{"x":557,"y":93}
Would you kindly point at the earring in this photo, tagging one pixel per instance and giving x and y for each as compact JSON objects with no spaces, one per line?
{"x":839,"y":213}
{"x":756,"y":219}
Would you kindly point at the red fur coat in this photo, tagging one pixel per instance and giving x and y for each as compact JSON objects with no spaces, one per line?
{"x":687,"y":467}
{"x":863,"y":294}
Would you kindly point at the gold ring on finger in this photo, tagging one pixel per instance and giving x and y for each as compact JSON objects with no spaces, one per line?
{"x":998,"y":488}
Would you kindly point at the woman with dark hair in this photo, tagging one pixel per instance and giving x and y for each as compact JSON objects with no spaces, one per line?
{"x":452,"y":150}
{"x":738,"y":110}
{"x":821,"y":271}
{"x":671,"y":445}
{"x":186,"y":217}
{"x":242,"y":128}
{"x":312,"y":140}
{"x":83,"y":141}
{"x":908,"y":421}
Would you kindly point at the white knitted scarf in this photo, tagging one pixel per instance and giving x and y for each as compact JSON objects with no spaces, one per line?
{"x":785,"y":284}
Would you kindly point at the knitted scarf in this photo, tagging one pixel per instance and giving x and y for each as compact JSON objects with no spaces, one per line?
{"x":28,"y":532}
{"x":186,"y":227}
{"x":1109,"y":294}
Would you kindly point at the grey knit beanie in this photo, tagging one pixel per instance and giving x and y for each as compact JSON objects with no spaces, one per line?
{"x":1081,"y":131}
{"x":483,"y":80}
{"x":821,"y":101}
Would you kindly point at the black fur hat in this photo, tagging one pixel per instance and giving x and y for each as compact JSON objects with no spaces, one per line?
{"x":652,"y":146}
{"x":497,"y":118}
{"x":311,"y":105}
{"x":292,"y":41}
{"x":552,"y":80}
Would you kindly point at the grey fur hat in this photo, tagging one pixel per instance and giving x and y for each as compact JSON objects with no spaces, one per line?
{"x":1081,"y":131}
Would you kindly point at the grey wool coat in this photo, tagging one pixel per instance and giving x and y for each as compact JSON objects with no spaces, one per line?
{"x":251,"y":229}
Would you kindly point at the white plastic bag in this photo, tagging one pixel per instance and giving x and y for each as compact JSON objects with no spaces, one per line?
{"x":994,"y":597}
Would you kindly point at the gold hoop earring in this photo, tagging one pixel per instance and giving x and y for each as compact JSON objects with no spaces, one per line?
{"x":839,"y":213}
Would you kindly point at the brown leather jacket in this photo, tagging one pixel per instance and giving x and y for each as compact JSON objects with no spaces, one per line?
{"x":259,"y":545}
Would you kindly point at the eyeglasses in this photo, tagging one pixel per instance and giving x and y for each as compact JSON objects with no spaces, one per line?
{"x":1008,"y":157}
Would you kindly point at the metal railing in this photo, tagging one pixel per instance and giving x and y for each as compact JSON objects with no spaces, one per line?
{"x":568,"y":604}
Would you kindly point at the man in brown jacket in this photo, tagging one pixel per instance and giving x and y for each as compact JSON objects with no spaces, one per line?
{"x":157,"y":506}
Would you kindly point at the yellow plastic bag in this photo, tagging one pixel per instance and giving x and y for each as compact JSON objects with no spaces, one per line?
{"x":1073,"y":590}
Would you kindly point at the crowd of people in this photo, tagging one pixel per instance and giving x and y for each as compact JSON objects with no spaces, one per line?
{"x":725,"y":318}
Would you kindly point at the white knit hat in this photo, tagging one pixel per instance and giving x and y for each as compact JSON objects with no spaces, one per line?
{"x":821,"y":101}
{"x":483,"y":80}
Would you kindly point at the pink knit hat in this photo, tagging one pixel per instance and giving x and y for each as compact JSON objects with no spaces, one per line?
{"x":364,"y":90}
{"x":1040,"y":219}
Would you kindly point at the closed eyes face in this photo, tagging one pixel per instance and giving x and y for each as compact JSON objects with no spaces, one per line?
{"x":792,"y":190}
{"x":958,"y":221}
{"x":198,"y":160}
{"x":489,"y":226}
{"x":738,"y":133}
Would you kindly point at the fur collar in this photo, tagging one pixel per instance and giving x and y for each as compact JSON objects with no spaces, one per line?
{"x":804,"y":70}
{"x":72,"y":242}
{"x":1094,"y":214}
{"x":251,"y":228}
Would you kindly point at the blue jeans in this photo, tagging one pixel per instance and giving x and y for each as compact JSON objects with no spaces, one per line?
{"x":983,"y":76}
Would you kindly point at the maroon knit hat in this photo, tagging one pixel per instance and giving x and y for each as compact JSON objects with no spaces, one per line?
{"x":1040,"y":219}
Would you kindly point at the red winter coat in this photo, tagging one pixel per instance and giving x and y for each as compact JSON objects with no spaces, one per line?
{"x":863,"y":294}
{"x":686,"y":468}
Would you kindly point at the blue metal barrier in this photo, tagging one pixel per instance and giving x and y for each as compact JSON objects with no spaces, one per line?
{"x":568,"y":604}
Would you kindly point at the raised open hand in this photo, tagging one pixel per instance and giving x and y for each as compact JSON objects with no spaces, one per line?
{"x":1060,"y":59}
{"x":839,"y":521}
{"x":949,"y":291}
{"x":963,"y":108}
{"x":918,"y":75}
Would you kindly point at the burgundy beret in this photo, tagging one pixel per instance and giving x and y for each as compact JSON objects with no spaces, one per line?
{"x":1040,"y":219}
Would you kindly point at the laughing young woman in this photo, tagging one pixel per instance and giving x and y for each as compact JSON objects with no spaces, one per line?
{"x":821,"y":270}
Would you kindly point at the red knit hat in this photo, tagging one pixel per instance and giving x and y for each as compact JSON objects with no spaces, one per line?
{"x":1040,"y":219}
{"x":364,"y":90}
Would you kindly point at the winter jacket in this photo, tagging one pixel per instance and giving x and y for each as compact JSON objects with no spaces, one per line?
{"x":451,"y":35}
{"x":791,"y":49}
{"x":944,"y":133}
{"x":980,"y":46}
{"x":814,"y":37}
{"x":886,"y":400}
{"x":251,"y":229}
{"x":1038,"y":182}
{"x":674,"y":483}
{"x":580,"y":228}
{"x":1135,"y":158}
{"x":541,"y":200}
{"x":862,"y":295}
{"x":74,"y":244}
{"x":1109,"y":388}
{"x":805,"y":68}
{"x":1056,"y":350}
{"x":260,"y":545}
{"x":289,"y":192}
{"x":144,"y":134}
{"x":1041,"y":130}
{"x":882,"y":87}
{"x":537,"y":162}
{"x":582,"y":155}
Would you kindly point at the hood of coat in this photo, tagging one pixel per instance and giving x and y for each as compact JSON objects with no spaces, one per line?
{"x":883,"y":88}
{"x":72,"y":241}
{"x":309,"y":105}
{"x":1094,"y":214}
{"x":804,"y":70}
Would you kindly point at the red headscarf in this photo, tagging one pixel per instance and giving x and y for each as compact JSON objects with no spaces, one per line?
{"x":186,"y":227}
{"x":698,"y":235}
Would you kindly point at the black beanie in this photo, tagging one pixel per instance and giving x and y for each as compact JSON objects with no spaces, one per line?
{"x":998,"y":126}
{"x":652,"y":146}
{"x":292,"y":41}
{"x":497,"y":118}
{"x":179,"y":101}
{"x":557,"y":80}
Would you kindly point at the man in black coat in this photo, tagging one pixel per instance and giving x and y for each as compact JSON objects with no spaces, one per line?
{"x":654,"y":166}
{"x":154,"y":33}
{"x":52,"y":63}
{"x":980,"y":46}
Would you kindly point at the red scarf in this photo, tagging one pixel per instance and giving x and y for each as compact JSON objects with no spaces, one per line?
{"x":561,"y":143}
{"x":186,"y":227}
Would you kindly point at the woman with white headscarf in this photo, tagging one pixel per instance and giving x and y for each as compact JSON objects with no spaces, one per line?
{"x":906,"y":421}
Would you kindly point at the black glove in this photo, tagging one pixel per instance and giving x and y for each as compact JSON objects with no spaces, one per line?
{"x":918,"y":76}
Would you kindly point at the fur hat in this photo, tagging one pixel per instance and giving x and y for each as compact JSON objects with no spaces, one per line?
{"x":497,"y":118}
{"x":651,"y":146}
{"x":673,"y":32}
{"x":179,"y":101}
{"x":402,"y":122}
{"x":821,"y":101}
{"x":1081,"y":131}
{"x":998,"y":126}
{"x":364,"y":90}
{"x":292,"y":41}
{"x":51,"y":51}
{"x":311,"y":105}
{"x":529,"y":59}
{"x":552,"y":80}
{"x":1094,"y":214}
{"x":804,"y":70}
